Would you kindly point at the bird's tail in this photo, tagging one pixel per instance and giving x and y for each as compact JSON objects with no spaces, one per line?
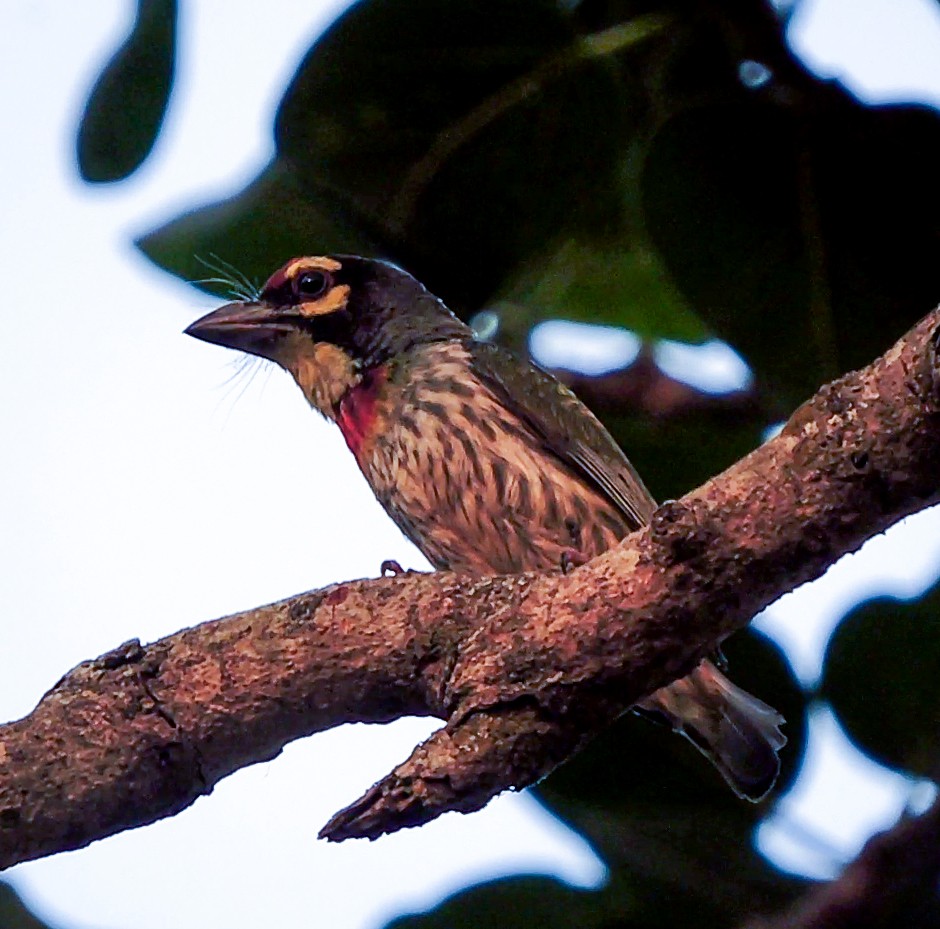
{"x":738,"y":733}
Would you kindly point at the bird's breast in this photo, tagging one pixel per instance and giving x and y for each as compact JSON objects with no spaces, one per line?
{"x":465,"y":478}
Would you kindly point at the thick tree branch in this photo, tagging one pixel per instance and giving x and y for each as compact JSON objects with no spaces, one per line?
{"x":524,"y":669}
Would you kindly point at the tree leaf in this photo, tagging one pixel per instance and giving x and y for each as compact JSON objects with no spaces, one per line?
{"x":257,"y":231}
{"x":125,"y":109}
{"x":13,"y":912}
{"x":513,"y":902}
{"x":603,"y":282}
{"x":442,"y":122}
{"x":676,"y":454}
{"x":880,"y":674}
{"x":722,"y":207}
{"x":806,"y":240}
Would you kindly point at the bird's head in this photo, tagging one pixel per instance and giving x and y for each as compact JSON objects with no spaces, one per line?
{"x":328,"y":320}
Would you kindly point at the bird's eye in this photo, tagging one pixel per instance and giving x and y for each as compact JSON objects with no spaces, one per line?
{"x":312,"y":284}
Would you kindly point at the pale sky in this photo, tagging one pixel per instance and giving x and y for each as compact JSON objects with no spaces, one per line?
{"x":139,"y":493}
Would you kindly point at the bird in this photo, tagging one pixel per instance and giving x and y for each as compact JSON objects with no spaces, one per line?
{"x":488,"y":463}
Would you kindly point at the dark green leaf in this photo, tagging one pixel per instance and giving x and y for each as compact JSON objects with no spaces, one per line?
{"x":513,"y":902}
{"x":881,"y":676}
{"x":268,"y":223}
{"x":13,"y":912}
{"x":524,"y":902}
{"x":808,"y":241}
{"x":606,"y":282}
{"x":444,"y":121}
{"x":722,"y":205}
{"x":878,"y":189}
{"x":126,"y":106}
{"x":676,"y":454}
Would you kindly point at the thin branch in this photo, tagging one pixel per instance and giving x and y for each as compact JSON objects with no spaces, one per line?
{"x":525,"y":669}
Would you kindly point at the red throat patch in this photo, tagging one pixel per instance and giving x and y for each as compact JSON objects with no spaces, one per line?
{"x":358,"y":412}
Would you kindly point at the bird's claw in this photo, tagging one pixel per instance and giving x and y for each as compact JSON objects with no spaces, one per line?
{"x":571,"y":559}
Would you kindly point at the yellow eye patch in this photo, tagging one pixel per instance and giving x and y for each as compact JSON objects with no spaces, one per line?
{"x":298,"y":265}
{"x":333,"y":300}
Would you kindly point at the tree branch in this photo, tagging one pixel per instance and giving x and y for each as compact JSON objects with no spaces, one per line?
{"x":525,"y":669}
{"x":893,"y":882}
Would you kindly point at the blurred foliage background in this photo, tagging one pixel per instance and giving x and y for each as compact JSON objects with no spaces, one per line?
{"x":665,"y":166}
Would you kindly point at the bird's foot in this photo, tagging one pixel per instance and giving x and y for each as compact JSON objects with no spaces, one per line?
{"x":571,"y":558}
{"x":391,"y":568}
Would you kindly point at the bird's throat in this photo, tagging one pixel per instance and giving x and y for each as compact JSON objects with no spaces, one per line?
{"x":358,"y":410}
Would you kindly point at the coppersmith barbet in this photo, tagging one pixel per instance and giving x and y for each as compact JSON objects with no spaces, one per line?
{"x":487,"y":463}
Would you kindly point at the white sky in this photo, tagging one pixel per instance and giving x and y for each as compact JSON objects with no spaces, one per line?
{"x":139,"y":492}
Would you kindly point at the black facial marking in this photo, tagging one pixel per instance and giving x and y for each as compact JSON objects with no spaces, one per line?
{"x":387,"y":313}
{"x":333,"y":327}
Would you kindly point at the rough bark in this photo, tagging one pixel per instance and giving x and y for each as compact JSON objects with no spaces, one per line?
{"x":523,"y":669}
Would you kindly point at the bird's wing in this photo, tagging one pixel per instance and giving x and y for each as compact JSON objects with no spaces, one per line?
{"x":566,"y":426}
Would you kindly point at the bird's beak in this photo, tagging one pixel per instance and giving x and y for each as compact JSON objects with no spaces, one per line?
{"x":248,"y":327}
